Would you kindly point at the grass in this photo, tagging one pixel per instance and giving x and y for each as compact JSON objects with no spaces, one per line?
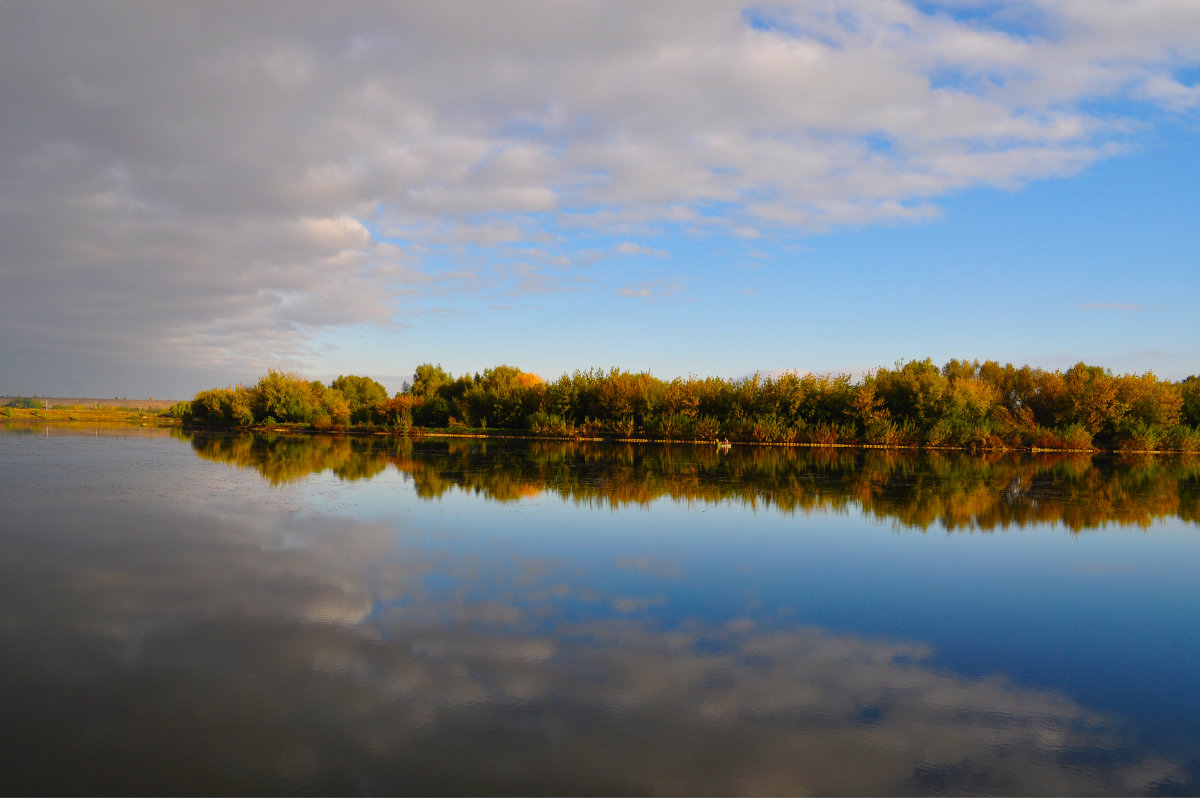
{"x":123,"y":415}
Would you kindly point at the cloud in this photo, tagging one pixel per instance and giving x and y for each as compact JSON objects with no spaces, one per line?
{"x":223,"y":184}
{"x":657,"y":290}
{"x":634,"y":248}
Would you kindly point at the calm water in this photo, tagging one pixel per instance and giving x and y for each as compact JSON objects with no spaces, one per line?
{"x":244,"y":614}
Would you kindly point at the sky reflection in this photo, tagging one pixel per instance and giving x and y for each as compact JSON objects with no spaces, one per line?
{"x":169,"y":625}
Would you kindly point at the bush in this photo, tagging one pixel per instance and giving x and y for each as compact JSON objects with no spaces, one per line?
{"x":181,"y":411}
{"x":669,"y":426}
{"x":284,"y":397}
{"x":1076,"y":436}
{"x":939,"y":434}
{"x":550,"y":425}
{"x":362,"y":395}
{"x":433,"y":411}
{"x":1181,"y":438}
{"x":622,"y":427}
{"x":770,"y":429}
{"x":827,"y":433}
{"x":213,"y":406}
{"x":1138,"y":436}
{"x":738,"y":429}
{"x":592,"y":428}
{"x":1073,"y":436}
{"x":706,"y":428}
{"x":879,"y":432}
{"x":974,"y":435}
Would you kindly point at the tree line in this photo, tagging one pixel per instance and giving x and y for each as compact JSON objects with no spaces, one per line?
{"x":916,"y":403}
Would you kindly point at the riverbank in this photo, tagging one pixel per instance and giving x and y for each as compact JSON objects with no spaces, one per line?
{"x":74,"y":414}
{"x":135,"y":417}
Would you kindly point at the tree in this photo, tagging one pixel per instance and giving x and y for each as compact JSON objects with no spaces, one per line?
{"x":427,"y":379}
{"x":362,"y":394}
{"x":914,"y":390}
{"x":284,"y":397}
{"x":1189,"y":391}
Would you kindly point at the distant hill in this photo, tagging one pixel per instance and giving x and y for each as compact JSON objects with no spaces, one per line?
{"x":67,"y":401}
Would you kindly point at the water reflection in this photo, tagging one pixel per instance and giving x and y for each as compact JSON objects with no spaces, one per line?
{"x":915,"y":489}
{"x":214,"y":662}
{"x":171,"y":626}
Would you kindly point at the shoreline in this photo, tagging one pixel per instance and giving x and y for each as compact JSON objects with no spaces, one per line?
{"x":144,"y":418}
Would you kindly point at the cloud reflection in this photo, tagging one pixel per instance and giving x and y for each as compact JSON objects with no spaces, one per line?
{"x":251,"y":649}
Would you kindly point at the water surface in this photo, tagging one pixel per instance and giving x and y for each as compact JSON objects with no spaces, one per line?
{"x":245,"y":614}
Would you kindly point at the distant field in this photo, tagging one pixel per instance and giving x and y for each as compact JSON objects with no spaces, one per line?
{"x":71,"y":401}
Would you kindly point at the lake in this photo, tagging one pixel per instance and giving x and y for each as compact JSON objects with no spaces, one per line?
{"x":212,"y":614}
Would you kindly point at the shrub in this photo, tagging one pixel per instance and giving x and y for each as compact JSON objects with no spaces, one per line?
{"x":397,"y":412}
{"x":285,"y":397}
{"x":622,"y":427}
{"x":1181,"y":438}
{"x":1072,"y":436}
{"x":669,"y":426}
{"x":362,"y":395}
{"x":433,"y":411}
{"x":1076,"y":436}
{"x":404,"y":426}
{"x":770,"y":429}
{"x":592,"y":428}
{"x":939,"y":434}
{"x":214,"y":406}
{"x":550,"y":425}
{"x":881,"y":432}
{"x":1138,"y":436}
{"x":975,"y":435}
{"x":827,"y":433}
{"x":738,"y":429}
{"x":239,"y":407}
{"x":706,"y":428}
{"x":181,"y":411}
{"x":1189,"y":391}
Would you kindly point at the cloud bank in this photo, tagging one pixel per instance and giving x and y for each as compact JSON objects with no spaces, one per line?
{"x":213,"y":183}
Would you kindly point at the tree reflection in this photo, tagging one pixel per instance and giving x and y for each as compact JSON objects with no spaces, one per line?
{"x":952,"y":490}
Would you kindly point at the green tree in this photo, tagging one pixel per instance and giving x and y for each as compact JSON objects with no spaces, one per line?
{"x":427,"y":379}
{"x":1189,"y":392}
{"x":284,"y":397}
{"x":362,"y":394}
{"x":914,"y":390}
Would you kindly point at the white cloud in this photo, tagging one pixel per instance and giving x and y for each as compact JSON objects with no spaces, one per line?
{"x":634,"y":248}
{"x":212,"y":153}
{"x":655,"y":290}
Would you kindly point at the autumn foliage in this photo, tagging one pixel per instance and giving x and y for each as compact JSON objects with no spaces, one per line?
{"x":962,"y":404}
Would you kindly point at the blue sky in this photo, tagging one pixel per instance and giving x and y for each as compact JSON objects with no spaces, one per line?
{"x":191,"y":194}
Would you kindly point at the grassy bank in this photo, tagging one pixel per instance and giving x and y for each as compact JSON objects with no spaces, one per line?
{"x":109,"y":415}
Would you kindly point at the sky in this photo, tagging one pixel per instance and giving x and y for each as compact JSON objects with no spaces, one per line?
{"x":192,"y":193}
